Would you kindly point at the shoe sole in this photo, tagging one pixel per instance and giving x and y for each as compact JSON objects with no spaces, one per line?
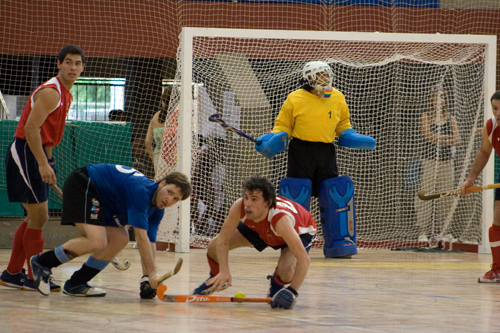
{"x":10,"y":285}
{"x":82,"y":295}
{"x":488,"y":281}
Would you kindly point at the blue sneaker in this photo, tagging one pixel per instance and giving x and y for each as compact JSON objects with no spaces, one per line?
{"x":15,"y":280}
{"x":83,"y":290}
{"x":274,"y":286}
{"x":203,"y":288}
{"x":41,"y":275}
{"x":30,"y":285}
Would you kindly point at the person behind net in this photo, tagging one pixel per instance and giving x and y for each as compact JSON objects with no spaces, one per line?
{"x":102,"y":200}
{"x":117,"y":115}
{"x":260,"y":219}
{"x":30,"y":165}
{"x":163,"y":161}
{"x":440,"y":131}
{"x":312,"y":116}
{"x":491,"y":141}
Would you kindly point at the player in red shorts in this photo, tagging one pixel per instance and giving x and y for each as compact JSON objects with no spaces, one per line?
{"x":30,"y":165}
{"x":261,"y":219}
{"x":491,"y":141}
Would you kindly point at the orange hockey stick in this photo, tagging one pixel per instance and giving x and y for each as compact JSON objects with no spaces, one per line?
{"x":205,"y":299}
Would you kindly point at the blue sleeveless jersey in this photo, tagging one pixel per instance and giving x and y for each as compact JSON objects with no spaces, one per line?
{"x":126,"y":197}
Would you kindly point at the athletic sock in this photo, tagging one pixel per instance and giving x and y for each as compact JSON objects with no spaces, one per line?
{"x":214,"y":267}
{"x":33,"y":244}
{"x":494,"y":236}
{"x":56,"y":257}
{"x":88,"y":271}
{"x":17,"y":256}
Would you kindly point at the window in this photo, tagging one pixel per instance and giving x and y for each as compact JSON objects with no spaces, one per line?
{"x":93,"y":98}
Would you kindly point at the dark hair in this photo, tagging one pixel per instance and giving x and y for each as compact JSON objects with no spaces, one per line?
{"x":114,"y":114}
{"x":305,"y":84}
{"x":180,"y":180}
{"x":70,"y":49}
{"x":165,"y":102}
{"x":496,"y":96}
{"x":261,"y":184}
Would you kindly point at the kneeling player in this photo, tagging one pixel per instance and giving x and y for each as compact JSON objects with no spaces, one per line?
{"x":260,"y":219}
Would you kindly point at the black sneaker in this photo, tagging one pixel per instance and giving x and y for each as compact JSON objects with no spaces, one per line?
{"x":15,"y":280}
{"x":83,"y":290}
{"x":30,"y":285}
{"x":41,"y":275}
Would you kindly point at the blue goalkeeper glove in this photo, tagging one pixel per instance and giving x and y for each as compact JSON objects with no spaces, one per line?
{"x":270,"y":144}
{"x":146,"y":291}
{"x":285,"y":298}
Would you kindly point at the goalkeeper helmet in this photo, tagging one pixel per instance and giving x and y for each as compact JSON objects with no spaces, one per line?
{"x":318,"y":75}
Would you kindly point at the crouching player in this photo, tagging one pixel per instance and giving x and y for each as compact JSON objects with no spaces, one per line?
{"x":102,"y":200}
{"x":312,"y":117}
{"x":260,"y":219}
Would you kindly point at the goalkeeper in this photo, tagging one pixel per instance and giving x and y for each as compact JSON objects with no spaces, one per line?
{"x":312,"y":116}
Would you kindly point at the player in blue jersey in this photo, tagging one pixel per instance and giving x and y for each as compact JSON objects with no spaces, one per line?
{"x":102,"y":200}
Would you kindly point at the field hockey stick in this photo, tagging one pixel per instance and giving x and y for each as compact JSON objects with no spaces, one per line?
{"x":174,"y":271}
{"x":205,"y":298}
{"x":122,"y":266}
{"x":423,"y":196}
{"x":215,"y":118}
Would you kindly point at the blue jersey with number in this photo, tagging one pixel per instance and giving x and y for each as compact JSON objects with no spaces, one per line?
{"x":126,"y":197}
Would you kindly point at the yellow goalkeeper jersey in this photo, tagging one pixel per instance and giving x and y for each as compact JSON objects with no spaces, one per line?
{"x":307,"y":117}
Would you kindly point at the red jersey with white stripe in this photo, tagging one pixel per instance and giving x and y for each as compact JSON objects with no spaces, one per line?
{"x":52,"y":129}
{"x":303,"y":222}
{"x":493,"y":134}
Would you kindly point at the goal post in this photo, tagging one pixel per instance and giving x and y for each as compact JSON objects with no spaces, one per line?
{"x":387,"y":79}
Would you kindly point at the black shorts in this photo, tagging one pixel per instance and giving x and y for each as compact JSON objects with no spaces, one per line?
{"x":316,"y":161}
{"x":24,"y":183}
{"x":81,"y":201}
{"x":253,"y":237}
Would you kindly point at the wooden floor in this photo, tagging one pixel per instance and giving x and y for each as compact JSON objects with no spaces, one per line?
{"x":375,"y":291}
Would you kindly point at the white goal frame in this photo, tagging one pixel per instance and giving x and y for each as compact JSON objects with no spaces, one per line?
{"x":186,"y":103}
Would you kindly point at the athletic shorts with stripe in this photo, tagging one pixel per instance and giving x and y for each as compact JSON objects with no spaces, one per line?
{"x":81,"y":201}
{"x":24,"y":182}
{"x":253,"y":237}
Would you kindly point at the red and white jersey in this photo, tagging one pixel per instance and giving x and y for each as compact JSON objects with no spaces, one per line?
{"x":303,"y":222}
{"x":493,"y":134}
{"x":52,"y":129}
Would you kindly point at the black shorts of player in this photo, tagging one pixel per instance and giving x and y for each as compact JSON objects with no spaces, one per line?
{"x":316,"y":161}
{"x":253,"y":237}
{"x":24,"y":182}
{"x":81,"y":201}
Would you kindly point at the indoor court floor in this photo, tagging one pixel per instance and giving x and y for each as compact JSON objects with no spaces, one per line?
{"x":374,"y":291}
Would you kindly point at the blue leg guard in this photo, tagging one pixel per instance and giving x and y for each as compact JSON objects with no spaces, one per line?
{"x":338,"y":217}
{"x":297,"y":190}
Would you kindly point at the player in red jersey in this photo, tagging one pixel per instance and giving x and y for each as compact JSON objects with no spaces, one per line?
{"x":491,"y":141}
{"x":30,"y":165}
{"x":260,"y":219}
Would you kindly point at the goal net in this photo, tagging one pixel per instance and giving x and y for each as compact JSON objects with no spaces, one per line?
{"x":389,"y":80}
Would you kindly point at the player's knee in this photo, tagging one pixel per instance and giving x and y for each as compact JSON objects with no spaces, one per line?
{"x":97,"y":243}
{"x":285,"y":273}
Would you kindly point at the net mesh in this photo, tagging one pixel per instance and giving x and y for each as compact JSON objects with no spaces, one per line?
{"x":132,"y":48}
{"x":388,"y":86}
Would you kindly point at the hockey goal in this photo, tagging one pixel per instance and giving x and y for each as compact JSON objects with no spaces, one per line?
{"x":388,"y":80}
